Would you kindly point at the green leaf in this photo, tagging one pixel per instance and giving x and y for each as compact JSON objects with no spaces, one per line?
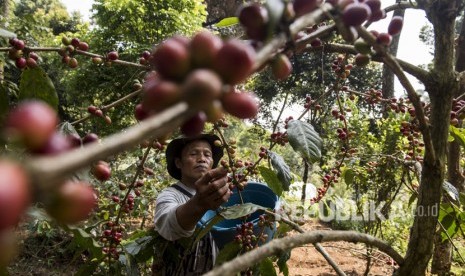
{"x":282,"y":169}
{"x":227,"y":22}
{"x":451,"y":190}
{"x":85,"y":240}
{"x":229,"y":252}
{"x":462,"y":198}
{"x":7,"y":34}
{"x":130,"y":264}
{"x":458,"y":134}
{"x":450,"y":226}
{"x":283,"y":228}
{"x":305,"y":140}
{"x":282,"y":262}
{"x":35,"y":84}
{"x":240,"y":210}
{"x":267,"y":268}
{"x":207,"y":228}
{"x":348,"y":175}
{"x":412,"y":199}
{"x":88,"y":268}
{"x":271,"y":179}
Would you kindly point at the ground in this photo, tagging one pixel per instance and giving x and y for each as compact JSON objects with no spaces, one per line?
{"x":349,"y":257}
{"x":42,"y":256}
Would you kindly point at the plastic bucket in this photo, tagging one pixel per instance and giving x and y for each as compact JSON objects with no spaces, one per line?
{"x":254,"y":192}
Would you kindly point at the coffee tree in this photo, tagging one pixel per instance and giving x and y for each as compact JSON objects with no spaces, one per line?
{"x":190,"y":84}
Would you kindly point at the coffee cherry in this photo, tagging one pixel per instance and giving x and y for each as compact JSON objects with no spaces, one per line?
{"x":57,"y":143}
{"x":214,"y":111}
{"x":395,"y":26}
{"x":97,"y":60}
{"x":241,"y":105}
{"x":65,"y":40}
{"x":355,"y":14}
{"x":19,"y":45}
{"x":75,"y":42}
{"x":14,"y":54}
{"x":113,"y":55}
{"x":362,"y":60}
{"x":254,"y":17}
{"x":21,"y":63}
{"x":377,"y":15}
{"x":83,"y":46}
{"x":374,"y":5}
{"x":234,"y":61}
{"x":101,"y":171}
{"x":201,"y":87}
{"x":73,"y":63}
{"x":72,"y":202}
{"x":31,"y":123}
{"x":195,"y":125}
{"x":14,"y":193}
{"x":281,"y":67}
{"x":302,"y":7}
{"x":384,"y":39}
{"x":31,"y":63}
{"x":146,"y":55}
{"x":159,"y":94}
{"x":362,"y":47}
{"x":203,"y":47}
{"x":140,"y":113}
{"x":171,"y":59}
{"x":34,"y":56}
{"x":90,"y":138}
{"x":13,"y":41}
{"x":74,"y":139}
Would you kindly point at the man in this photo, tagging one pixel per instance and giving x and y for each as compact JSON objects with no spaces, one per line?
{"x":201,"y":187}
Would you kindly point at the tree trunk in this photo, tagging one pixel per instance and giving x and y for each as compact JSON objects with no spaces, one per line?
{"x":442,"y":257}
{"x":304,"y":179}
{"x":441,"y":89}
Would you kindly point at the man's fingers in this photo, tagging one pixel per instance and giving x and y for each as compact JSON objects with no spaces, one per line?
{"x":211,"y":175}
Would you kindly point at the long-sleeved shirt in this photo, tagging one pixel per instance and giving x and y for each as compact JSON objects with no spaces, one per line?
{"x":202,"y":258}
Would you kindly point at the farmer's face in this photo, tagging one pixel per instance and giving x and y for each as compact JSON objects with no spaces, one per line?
{"x":196,"y":159}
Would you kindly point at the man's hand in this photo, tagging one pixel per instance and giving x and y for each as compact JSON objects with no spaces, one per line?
{"x":212,"y":189}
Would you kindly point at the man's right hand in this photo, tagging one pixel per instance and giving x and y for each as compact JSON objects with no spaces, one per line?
{"x":212,"y":189}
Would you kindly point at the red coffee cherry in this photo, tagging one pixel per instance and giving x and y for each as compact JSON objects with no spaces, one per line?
{"x":281,"y":67}
{"x":234,"y":61}
{"x":241,"y":105}
{"x":140,"y":113}
{"x":31,"y":123}
{"x":302,"y":7}
{"x":201,"y":87}
{"x":83,"y":46}
{"x":57,"y":143}
{"x":73,"y":63}
{"x":101,"y":171}
{"x":395,"y":26}
{"x":171,"y":59}
{"x":72,"y":202}
{"x":113,"y":55}
{"x":362,"y":60}
{"x":75,"y":42}
{"x":203,"y":47}
{"x":355,"y":14}
{"x":384,"y":39}
{"x":195,"y":125}
{"x":21,"y":63}
{"x":31,"y":63}
{"x":14,"y":193}
{"x":159,"y":94}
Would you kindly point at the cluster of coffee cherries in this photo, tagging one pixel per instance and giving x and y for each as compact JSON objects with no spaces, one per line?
{"x":311,"y":103}
{"x":397,"y":105}
{"x":364,"y":49}
{"x":32,"y":124}
{"x":373,"y":96}
{"x":97,"y":112}
{"x":263,"y":152}
{"x":202,"y":71}
{"x":457,"y":113}
{"x":340,"y":67}
{"x":280,"y":138}
{"x":112,"y":235}
{"x":328,"y":179}
{"x":415,"y":147}
{"x":68,"y":52}
{"x":18,"y":53}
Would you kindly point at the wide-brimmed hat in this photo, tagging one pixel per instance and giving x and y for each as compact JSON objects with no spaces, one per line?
{"x":175,"y":147}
